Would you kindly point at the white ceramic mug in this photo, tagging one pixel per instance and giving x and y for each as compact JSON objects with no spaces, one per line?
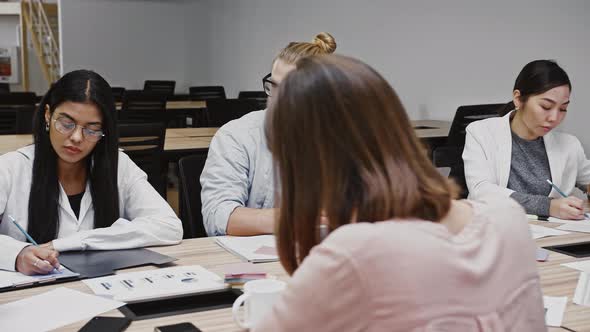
{"x":258,"y":298}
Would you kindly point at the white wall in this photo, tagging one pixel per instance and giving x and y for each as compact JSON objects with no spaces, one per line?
{"x":436,"y":54}
{"x":126,"y":41}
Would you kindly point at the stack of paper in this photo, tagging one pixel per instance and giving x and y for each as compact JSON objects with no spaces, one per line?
{"x":582,"y":294}
{"x":17,"y":279}
{"x":538,"y":232}
{"x":240,"y":273}
{"x":51,"y":310}
{"x":576,"y":227}
{"x":583,"y":266}
{"x":255,"y":249}
{"x":160,"y":283}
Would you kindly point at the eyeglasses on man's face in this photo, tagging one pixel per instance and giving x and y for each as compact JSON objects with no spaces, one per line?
{"x":268,"y":85}
{"x":67,"y":127}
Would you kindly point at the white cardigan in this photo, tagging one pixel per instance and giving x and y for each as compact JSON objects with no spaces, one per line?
{"x":488,"y":153}
{"x":145,"y":219}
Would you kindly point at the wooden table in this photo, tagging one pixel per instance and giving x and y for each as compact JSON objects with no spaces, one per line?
{"x":202,"y":252}
{"x":557,"y":280}
{"x":177,"y":139}
{"x":183,"y":141}
{"x":173,"y":105}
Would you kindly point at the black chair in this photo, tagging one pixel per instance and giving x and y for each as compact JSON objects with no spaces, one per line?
{"x":144,"y":144}
{"x":16,"y":112}
{"x":163,"y":87}
{"x":189,"y":171}
{"x":222,"y":111}
{"x":206,"y":92}
{"x":450,"y":155}
{"x":467,"y":114}
{"x":259,"y":96}
{"x":143,"y":107}
{"x":4,"y":88}
{"x":118,"y":93}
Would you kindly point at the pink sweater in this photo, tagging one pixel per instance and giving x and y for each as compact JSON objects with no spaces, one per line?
{"x":417,"y":276}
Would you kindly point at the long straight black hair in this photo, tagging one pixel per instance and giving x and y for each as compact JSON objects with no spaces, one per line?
{"x":537,"y":77}
{"x":80,"y":86}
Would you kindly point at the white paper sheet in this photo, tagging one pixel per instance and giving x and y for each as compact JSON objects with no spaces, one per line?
{"x":538,"y":232}
{"x":582,"y":294}
{"x":576,"y":227}
{"x":583,"y":266}
{"x":51,"y":310}
{"x":554,"y":310}
{"x":566,"y":221}
{"x":247,"y":246}
{"x":11,"y":279}
{"x":160,"y":283}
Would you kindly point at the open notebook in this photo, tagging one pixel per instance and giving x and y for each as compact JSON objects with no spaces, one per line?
{"x":255,"y":249}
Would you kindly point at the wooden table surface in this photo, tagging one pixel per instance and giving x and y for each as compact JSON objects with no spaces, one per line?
{"x":556,"y":280}
{"x":195,"y":139}
{"x":173,"y":105}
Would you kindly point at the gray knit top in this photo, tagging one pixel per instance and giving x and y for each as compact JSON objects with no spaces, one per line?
{"x":529,"y":171}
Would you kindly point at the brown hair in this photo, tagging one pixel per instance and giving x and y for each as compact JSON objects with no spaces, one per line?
{"x":323,"y":43}
{"x":343,"y":148}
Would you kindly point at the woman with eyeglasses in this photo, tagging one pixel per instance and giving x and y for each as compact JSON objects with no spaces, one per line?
{"x":402,"y":253}
{"x":237,"y":187}
{"x":73,"y":189}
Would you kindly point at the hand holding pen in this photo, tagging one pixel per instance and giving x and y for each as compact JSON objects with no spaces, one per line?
{"x":34,"y":259}
{"x":568,"y":207}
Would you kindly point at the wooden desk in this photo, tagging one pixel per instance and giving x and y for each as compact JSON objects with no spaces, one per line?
{"x":201,"y":251}
{"x":177,"y":139}
{"x":173,"y":105}
{"x":556,"y":280}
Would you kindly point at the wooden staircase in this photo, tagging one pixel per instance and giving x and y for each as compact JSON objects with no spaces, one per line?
{"x":40,"y":21}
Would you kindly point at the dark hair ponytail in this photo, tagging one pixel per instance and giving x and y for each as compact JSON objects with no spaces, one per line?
{"x":537,"y":77}
{"x":80,"y":86}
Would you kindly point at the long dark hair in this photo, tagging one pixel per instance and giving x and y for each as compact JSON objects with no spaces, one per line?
{"x":352,"y":155}
{"x":80,"y":86}
{"x":535,"y":78}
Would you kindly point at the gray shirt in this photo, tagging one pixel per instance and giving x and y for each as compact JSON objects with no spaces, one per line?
{"x":529,"y":171}
{"x":238,"y":172}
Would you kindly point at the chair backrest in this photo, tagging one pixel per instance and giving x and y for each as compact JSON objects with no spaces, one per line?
{"x":143,"y":107}
{"x":259,"y":96}
{"x":206,"y":92}
{"x":163,"y":87}
{"x":4,"y":88}
{"x":222,"y":111}
{"x":189,"y":172}
{"x":144,"y":144}
{"x":467,"y":114}
{"x":16,"y":112}
{"x":118,"y":93}
{"x":451,"y":157}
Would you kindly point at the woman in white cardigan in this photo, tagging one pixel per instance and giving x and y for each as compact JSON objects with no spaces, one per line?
{"x":73,"y":189}
{"x":517,"y":153}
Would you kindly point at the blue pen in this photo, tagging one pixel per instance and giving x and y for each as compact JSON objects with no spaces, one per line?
{"x":29,"y":238}
{"x":587,"y":215}
{"x":556,"y":188}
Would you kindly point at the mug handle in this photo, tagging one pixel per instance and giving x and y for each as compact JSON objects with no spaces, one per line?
{"x":236,"y":307}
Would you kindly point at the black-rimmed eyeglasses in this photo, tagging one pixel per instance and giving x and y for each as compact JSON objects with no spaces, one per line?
{"x":268,"y":85}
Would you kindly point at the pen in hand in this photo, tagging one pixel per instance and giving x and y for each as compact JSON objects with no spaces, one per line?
{"x":586,"y":214}
{"x":55,"y":270}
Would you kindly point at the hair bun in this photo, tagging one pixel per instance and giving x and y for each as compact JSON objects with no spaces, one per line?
{"x":325,"y":41}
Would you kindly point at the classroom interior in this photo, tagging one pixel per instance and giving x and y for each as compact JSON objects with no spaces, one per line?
{"x":440,"y":57}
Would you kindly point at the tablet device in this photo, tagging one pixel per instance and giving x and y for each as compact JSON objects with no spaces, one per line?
{"x":103,"y":324}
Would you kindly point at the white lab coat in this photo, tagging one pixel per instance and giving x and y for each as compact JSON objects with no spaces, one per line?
{"x":488,"y":154}
{"x":146,"y":219}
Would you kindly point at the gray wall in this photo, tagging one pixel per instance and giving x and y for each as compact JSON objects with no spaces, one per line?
{"x":126,"y":41}
{"x":437,"y":55}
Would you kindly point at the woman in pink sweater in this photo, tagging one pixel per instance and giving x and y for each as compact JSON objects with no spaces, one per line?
{"x":402,"y":254}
